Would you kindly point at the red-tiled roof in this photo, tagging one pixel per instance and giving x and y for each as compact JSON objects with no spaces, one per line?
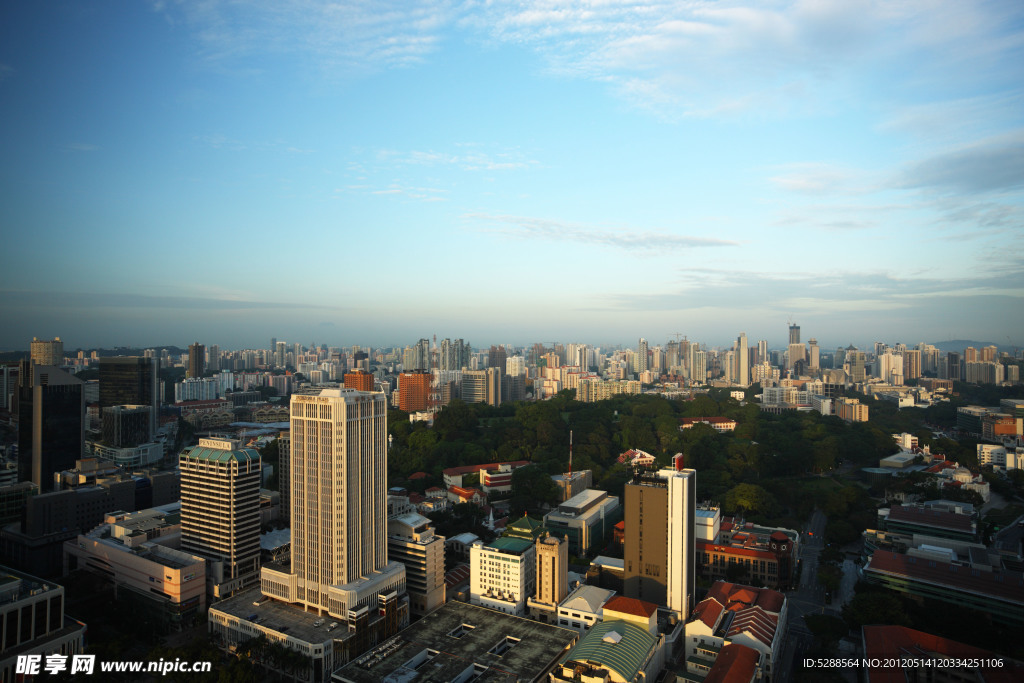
{"x":464,"y":492}
{"x":729,"y":593}
{"x":735,"y":664}
{"x":708,"y":546}
{"x":896,"y":642}
{"x":708,"y":611}
{"x":458,"y":575}
{"x":1003,"y":585}
{"x":621,"y":526}
{"x":639,"y":608}
{"x":755,"y":621}
{"x":418,"y":475}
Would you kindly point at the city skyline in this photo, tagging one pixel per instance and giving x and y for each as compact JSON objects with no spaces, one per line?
{"x":511,"y":172}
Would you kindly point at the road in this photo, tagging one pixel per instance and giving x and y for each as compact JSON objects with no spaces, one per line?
{"x":809,"y":597}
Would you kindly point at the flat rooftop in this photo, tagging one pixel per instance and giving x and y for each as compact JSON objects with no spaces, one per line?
{"x":459,"y":636}
{"x":278,"y":616}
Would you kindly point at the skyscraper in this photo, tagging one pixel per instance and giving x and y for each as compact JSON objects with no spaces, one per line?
{"x":414,"y":390}
{"x":196,"y":360}
{"x":47,"y":352}
{"x":742,"y":360}
{"x":660,"y":537}
{"x":131,"y":381}
{"x":338,"y":473}
{"x":51,"y":423}
{"x":220,"y":512}
{"x":641,"y":356}
{"x":794,"y":334}
{"x":815,"y":358}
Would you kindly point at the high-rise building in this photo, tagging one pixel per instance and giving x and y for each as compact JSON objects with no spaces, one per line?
{"x":496,"y":357}
{"x":51,"y":423}
{"x":660,"y":537}
{"x":414,"y":390}
{"x":641,"y":363}
{"x":213,"y":358}
{"x":360,"y":380}
{"x":220,"y":512}
{"x":126,"y":426}
{"x":338,"y":473}
{"x":814,"y":362}
{"x":131,"y":381}
{"x":794,"y":334}
{"x":482,"y":386}
{"x":46,"y":352}
{"x":196,"y":360}
{"x":281,"y":354}
{"x":411,"y":541}
{"x":742,"y":360}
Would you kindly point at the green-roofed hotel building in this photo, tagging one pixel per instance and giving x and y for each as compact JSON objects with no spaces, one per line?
{"x":220,"y":512}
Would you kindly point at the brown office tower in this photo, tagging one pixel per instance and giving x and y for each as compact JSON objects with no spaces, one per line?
{"x":414,"y":390}
{"x":359,"y":380}
{"x":196,"y":360}
{"x":660,"y":537}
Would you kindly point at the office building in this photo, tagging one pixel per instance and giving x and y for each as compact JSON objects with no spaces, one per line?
{"x":33,"y":622}
{"x":44,"y":352}
{"x":220,"y":512}
{"x":411,"y":541}
{"x":360,"y":380}
{"x":585,"y":520}
{"x":131,"y":381}
{"x":337,"y":472}
{"x":794,"y":334}
{"x":137,"y":552}
{"x":496,"y":357}
{"x":641,"y":363}
{"x":51,"y":423}
{"x":414,"y":390}
{"x":482,"y":386}
{"x":126,"y":426}
{"x":660,"y":540}
{"x":742,"y":361}
{"x":196,"y":360}
{"x":503,"y":574}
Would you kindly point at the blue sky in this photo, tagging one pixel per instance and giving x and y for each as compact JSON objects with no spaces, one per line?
{"x":509,"y":172}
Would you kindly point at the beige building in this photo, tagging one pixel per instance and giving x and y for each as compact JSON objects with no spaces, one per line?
{"x":660,"y":540}
{"x":220,"y":512}
{"x":337,"y":474}
{"x":552,"y":578}
{"x":138,"y":551}
{"x":411,"y":541}
{"x":45,"y":352}
{"x":851,"y":410}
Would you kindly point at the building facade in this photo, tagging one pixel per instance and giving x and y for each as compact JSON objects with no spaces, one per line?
{"x":220,"y":512}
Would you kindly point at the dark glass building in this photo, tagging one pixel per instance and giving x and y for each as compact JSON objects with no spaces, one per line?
{"x":130,"y":381}
{"x":51,"y":423}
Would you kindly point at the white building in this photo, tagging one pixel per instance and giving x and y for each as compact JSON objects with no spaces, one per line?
{"x":735,"y":614}
{"x":503,"y":574}
{"x":196,"y":389}
{"x":412,"y":542}
{"x":583,"y":607}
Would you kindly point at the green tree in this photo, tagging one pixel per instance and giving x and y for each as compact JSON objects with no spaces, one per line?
{"x":749,"y":498}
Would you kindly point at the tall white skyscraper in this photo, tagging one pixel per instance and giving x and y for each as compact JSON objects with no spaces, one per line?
{"x":337,"y":475}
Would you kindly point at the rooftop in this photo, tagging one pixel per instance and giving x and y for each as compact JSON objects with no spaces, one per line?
{"x":623,"y":653}
{"x":896,"y":642}
{"x":638,"y":608}
{"x":444,"y":643}
{"x":218,"y":455}
{"x":1005,"y":586}
{"x":274,"y":615}
{"x":939,"y":519}
{"x":516,"y":546}
{"x":588,"y":598}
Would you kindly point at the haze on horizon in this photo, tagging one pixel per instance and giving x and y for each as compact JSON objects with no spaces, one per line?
{"x":511,"y":173}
